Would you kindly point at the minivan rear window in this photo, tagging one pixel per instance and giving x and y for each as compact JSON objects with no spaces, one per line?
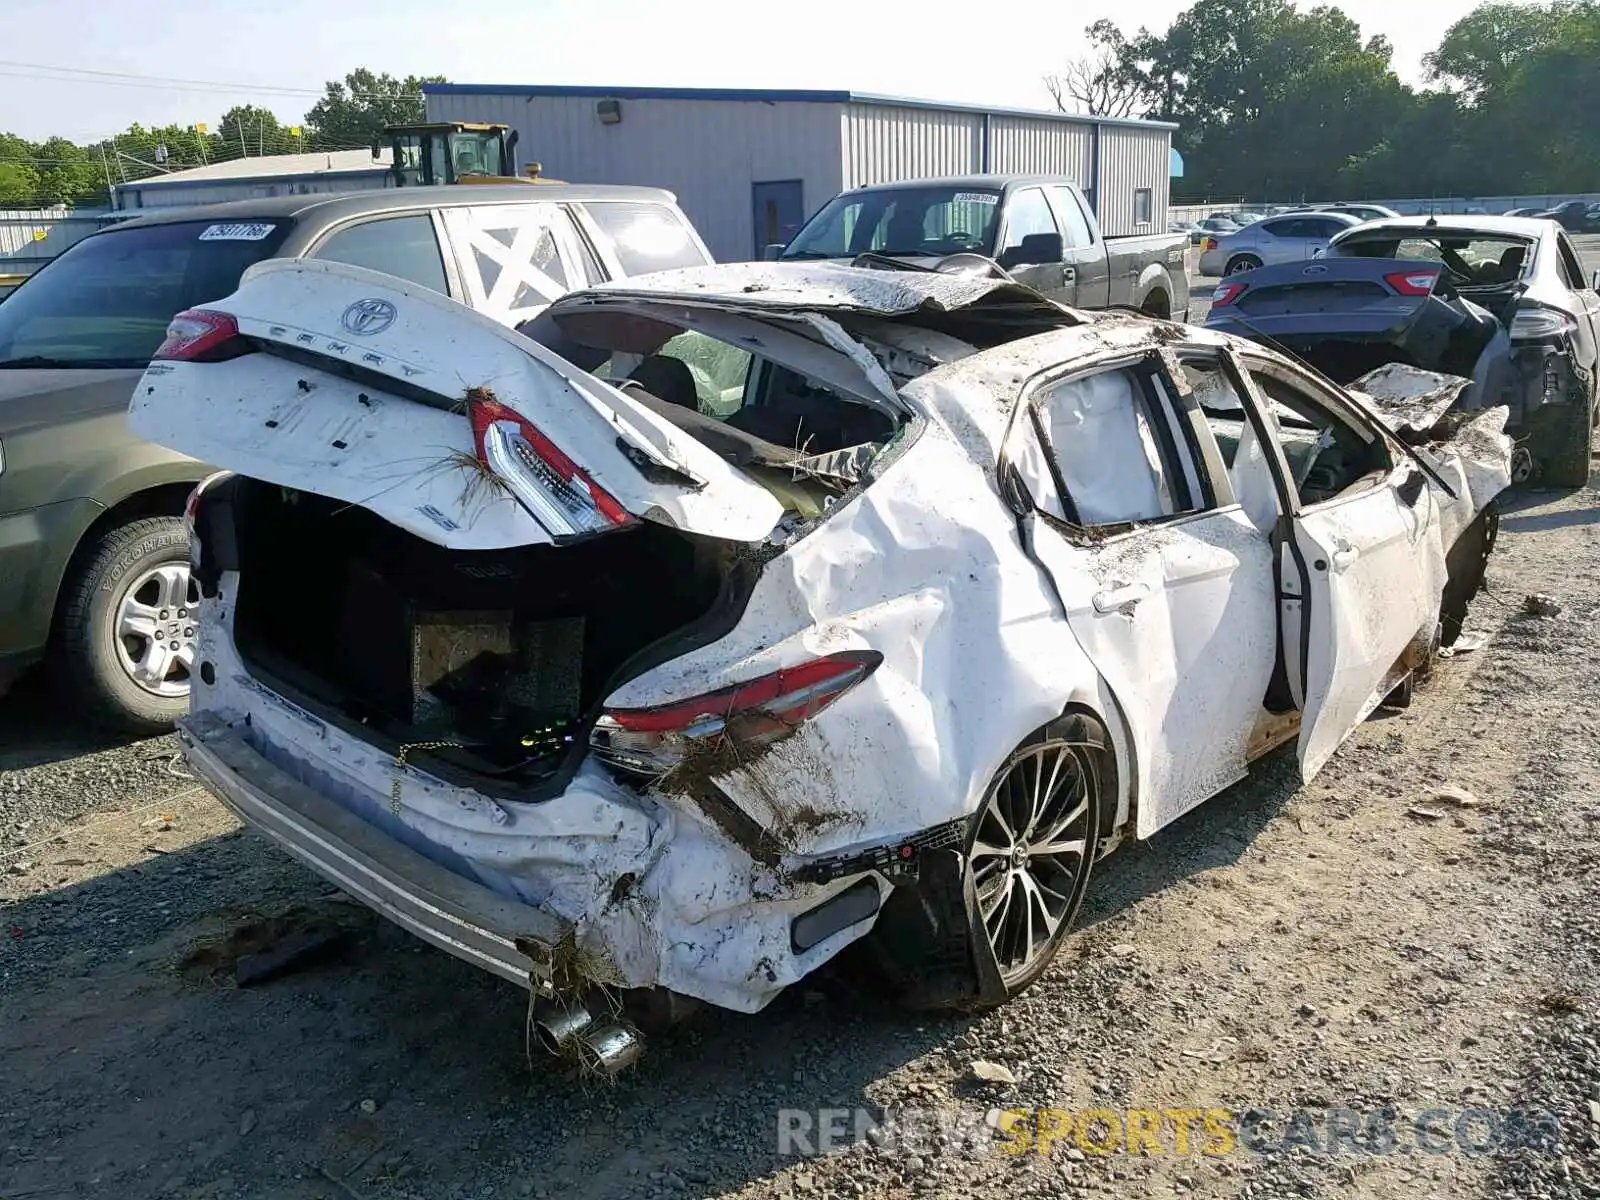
{"x":106,"y":301}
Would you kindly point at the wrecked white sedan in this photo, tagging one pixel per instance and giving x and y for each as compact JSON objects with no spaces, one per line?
{"x":816,"y":603}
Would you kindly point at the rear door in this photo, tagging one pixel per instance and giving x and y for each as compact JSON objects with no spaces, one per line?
{"x":1165,"y":580}
{"x":1320,"y":231}
{"x":434,"y":416}
{"x":514,"y":259}
{"x":1360,"y":560}
{"x":1086,"y":257}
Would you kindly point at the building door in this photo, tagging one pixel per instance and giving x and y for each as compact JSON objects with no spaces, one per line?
{"x":779,"y":211}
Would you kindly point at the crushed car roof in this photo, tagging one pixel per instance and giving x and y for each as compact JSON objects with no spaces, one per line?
{"x":821,"y":287}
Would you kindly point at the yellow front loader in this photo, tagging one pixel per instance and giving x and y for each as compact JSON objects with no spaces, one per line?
{"x":447,"y":152}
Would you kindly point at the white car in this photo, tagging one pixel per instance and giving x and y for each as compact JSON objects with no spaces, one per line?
{"x":889,"y":604}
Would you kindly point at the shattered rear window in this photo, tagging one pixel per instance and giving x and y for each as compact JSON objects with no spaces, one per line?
{"x":1470,"y":260}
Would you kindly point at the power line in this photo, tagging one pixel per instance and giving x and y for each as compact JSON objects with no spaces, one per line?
{"x":170,"y":83}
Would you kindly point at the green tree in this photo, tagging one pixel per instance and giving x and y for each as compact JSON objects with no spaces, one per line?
{"x":248,"y":130}
{"x":1269,"y":100}
{"x":69,"y":174}
{"x":355,"y":111}
{"x":1480,"y":52}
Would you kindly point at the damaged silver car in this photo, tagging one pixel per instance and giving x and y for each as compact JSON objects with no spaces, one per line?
{"x":1502,"y":301}
{"x":788,"y":607}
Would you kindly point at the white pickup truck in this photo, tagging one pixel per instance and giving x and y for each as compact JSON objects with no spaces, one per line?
{"x":1038,"y":228}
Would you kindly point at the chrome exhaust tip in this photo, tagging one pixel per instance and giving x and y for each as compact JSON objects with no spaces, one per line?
{"x":557,"y":1026}
{"x":609,"y":1049}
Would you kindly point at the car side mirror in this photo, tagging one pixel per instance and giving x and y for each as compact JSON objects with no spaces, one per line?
{"x":1035,"y":250}
{"x":772,"y":251}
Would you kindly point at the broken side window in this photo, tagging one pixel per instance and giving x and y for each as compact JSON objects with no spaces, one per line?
{"x":1240,"y":448}
{"x":1113,"y":449}
{"x":1326,"y":454}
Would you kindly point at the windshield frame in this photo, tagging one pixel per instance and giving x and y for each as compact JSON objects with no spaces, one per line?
{"x":877,"y":211}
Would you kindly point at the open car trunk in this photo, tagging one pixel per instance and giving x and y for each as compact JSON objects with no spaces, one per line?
{"x":496,"y":660}
{"x":1350,"y":316}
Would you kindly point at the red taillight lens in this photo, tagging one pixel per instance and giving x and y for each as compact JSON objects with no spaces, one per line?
{"x":195,"y":334}
{"x":1209,"y":243}
{"x":749,"y":714}
{"x":1413,"y":283}
{"x":1227,"y":294}
{"x":557,"y":493}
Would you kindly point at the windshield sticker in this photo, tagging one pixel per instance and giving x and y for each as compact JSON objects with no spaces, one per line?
{"x":236,"y":233}
{"x":976,"y":198}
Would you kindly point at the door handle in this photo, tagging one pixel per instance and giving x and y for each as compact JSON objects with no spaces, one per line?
{"x":1068,"y":274}
{"x":1120,"y":599}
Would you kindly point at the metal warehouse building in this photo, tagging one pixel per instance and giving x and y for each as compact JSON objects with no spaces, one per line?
{"x":257,"y":177}
{"x":749,"y":166}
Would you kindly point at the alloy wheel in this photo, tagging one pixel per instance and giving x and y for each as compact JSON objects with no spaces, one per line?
{"x":156,"y":627}
{"x":1030,"y":850}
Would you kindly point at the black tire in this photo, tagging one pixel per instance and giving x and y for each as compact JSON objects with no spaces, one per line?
{"x":1466,"y":564}
{"x":1572,"y":434}
{"x":1241,"y":262}
{"x":89,"y":671}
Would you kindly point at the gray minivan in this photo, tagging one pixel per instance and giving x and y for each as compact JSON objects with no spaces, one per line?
{"x":94,"y":566}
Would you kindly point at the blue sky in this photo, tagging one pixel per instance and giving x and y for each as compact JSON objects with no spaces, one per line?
{"x":278,"y":53}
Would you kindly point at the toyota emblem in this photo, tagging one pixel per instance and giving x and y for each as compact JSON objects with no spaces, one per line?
{"x":367,"y":317}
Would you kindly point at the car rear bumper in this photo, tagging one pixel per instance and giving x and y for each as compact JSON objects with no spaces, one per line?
{"x":516,"y":941}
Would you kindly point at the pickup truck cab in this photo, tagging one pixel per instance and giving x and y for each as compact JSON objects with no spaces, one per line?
{"x":1039,"y":228}
{"x":94,"y":561}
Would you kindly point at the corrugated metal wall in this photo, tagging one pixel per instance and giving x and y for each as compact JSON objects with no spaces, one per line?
{"x":31,"y":237}
{"x":132,"y":196}
{"x":883,"y":144}
{"x":706,"y":152}
{"x":1040,"y":147}
{"x":1132,"y":159}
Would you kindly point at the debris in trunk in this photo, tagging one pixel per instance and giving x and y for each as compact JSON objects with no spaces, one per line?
{"x":1541,"y":605}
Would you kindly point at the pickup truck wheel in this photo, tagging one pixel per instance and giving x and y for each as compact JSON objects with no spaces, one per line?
{"x":1241,"y":263}
{"x":1569,"y":466}
{"x":125,"y":630}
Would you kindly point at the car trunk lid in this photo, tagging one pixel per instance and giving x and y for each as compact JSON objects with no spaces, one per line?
{"x":382,"y":394}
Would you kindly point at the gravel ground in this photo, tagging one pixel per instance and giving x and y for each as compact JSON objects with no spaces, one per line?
{"x":1417,"y":930}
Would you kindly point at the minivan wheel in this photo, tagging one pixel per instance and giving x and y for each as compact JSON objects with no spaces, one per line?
{"x":1032,"y":847}
{"x":127,"y":624}
{"x":1241,"y":264}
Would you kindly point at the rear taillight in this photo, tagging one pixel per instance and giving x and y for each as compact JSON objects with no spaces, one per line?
{"x":1413,"y":283}
{"x":1227,"y":294}
{"x":196,"y":335}
{"x":557,"y":493}
{"x":1209,"y":243}
{"x":731,"y":723}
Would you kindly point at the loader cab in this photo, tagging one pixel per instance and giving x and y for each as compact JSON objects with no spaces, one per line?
{"x":448,"y":152}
